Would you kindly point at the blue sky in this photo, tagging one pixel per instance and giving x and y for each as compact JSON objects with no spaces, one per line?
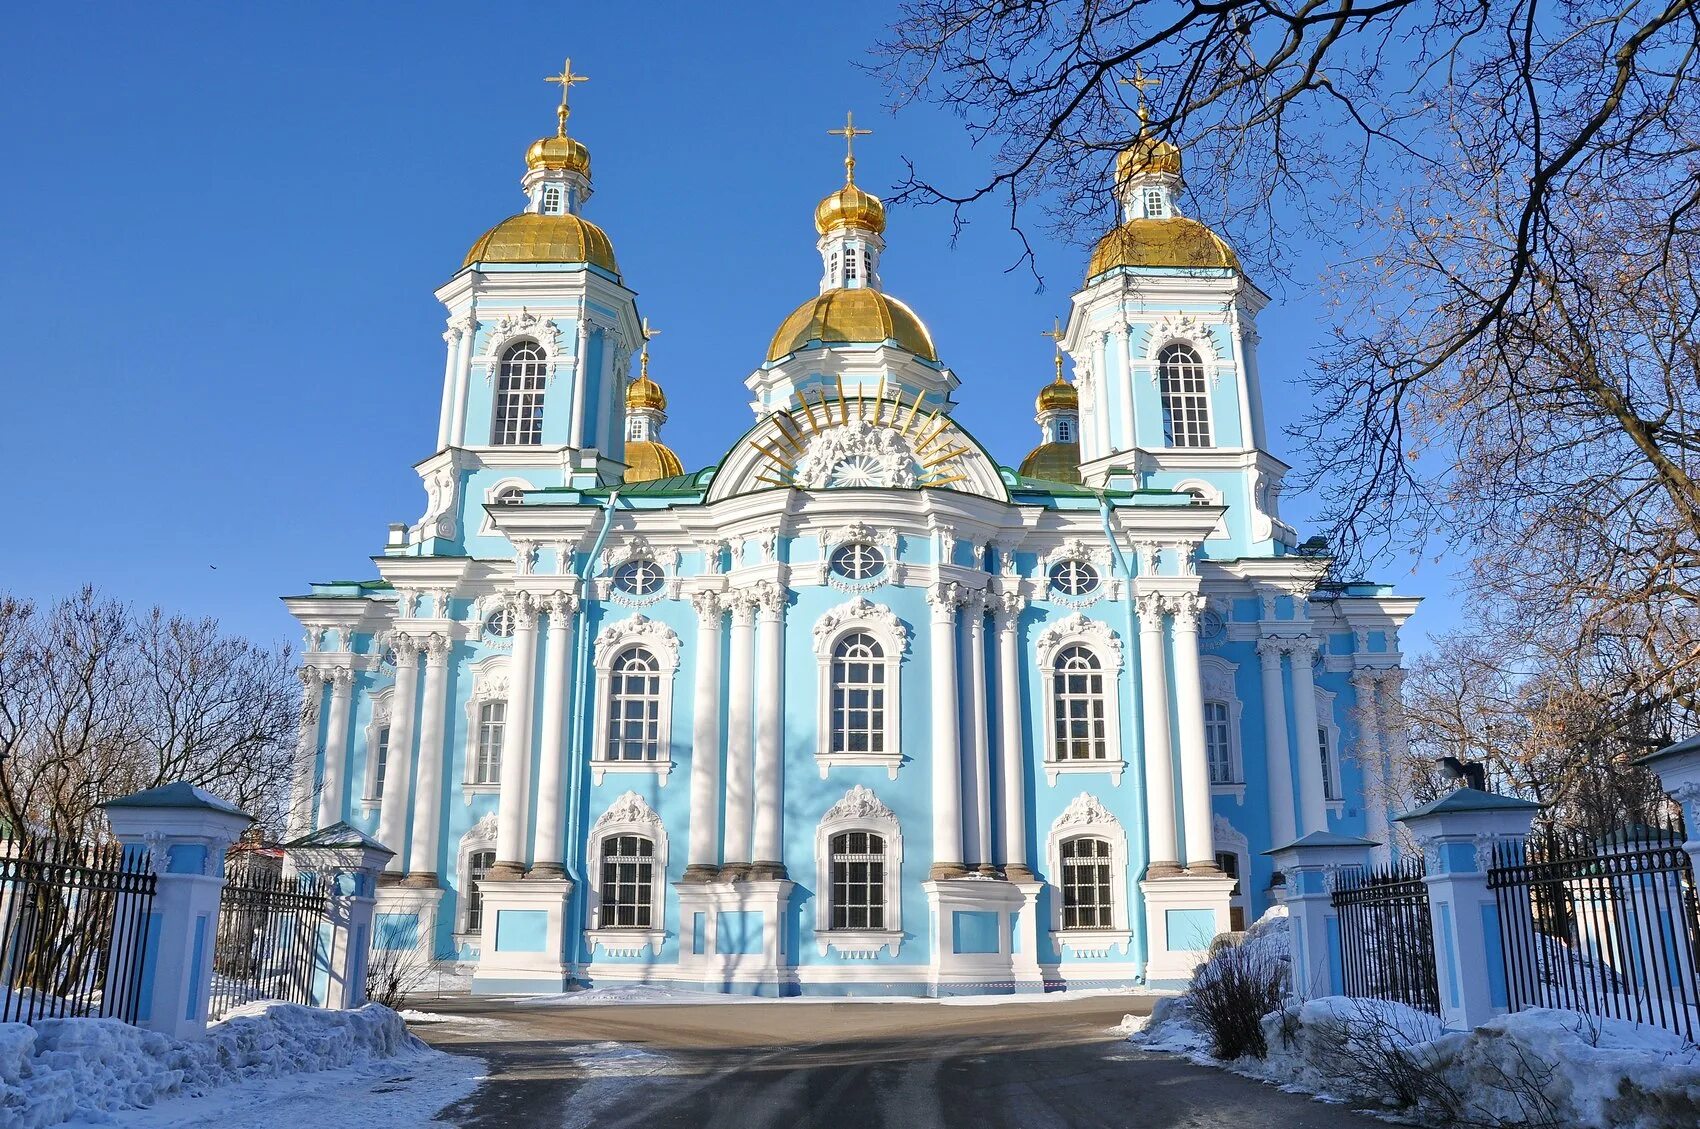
{"x":223,"y":225}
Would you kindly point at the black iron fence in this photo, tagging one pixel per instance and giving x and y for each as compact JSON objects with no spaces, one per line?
{"x":273,"y":930}
{"x":1606,"y":926}
{"x":1386,"y":937}
{"x":73,"y":929}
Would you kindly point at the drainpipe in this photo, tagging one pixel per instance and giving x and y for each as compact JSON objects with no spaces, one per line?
{"x":1136,"y":921}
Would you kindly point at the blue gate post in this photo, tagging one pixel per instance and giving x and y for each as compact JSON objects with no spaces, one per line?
{"x":352,"y":860}
{"x":185,"y":831}
{"x":1309,"y":865}
{"x":1459,"y":833}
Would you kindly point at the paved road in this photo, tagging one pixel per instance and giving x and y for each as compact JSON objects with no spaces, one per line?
{"x":850,"y":1065}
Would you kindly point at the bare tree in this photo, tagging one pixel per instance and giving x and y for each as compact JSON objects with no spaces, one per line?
{"x":97,"y":702}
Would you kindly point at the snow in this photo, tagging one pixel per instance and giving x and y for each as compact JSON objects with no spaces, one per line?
{"x":93,"y":1070}
{"x":671,"y":994}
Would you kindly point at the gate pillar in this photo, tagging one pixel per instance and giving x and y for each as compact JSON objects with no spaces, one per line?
{"x":1309,"y":864}
{"x":1678,"y":767}
{"x":352,"y":861}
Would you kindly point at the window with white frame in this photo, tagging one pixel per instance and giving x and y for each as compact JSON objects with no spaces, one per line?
{"x":492,"y":725}
{"x":858,"y":880}
{"x":1088,"y":901}
{"x":851,"y":264}
{"x":1222,"y":710}
{"x":1330,"y":786}
{"x":857,"y":560}
{"x":858,"y":695}
{"x":1080,"y":661}
{"x":628,"y":882}
{"x":639,"y":578}
{"x":1079,"y":721}
{"x":1074,"y":578}
{"x":859,"y":648}
{"x":1087,"y":865}
{"x":832,"y":268}
{"x":636,"y":660}
{"x":1065,"y":431}
{"x":859,"y":870}
{"x":1218,"y":743}
{"x":1156,"y":207}
{"x":380,"y":760}
{"x":552,"y":199}
{"x":1186,"y":397}
{"x":634,"y":707}
{"x":518,"y":419}
{"x":478,"y":864}
{"x":499,"y":624}
{"x":509,"y":496}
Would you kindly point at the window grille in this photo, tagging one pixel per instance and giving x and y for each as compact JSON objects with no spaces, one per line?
{"x":628,"y":882}
{"x":634,"y":707}
{"x":858,"y":880}
{"x":1087,"y":900}
{"x":499,"y":624}
{"x":519,"y":396}
{"x":1216,"y":743}
{"x":1186,"y":398}
{"x":380,"y":758}
{"x":858,"y":695}
{"x":478,"y":865}
{"x":492,"y":723}
{"x":1078,"y":692}
{"x":1065,"y":432}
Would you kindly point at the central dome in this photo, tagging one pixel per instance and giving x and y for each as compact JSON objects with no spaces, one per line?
{"x":1173,"y":242}
{"x":857,"y":316}
{"x":533,"y":238}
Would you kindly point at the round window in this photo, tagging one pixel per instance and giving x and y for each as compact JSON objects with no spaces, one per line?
{"x":857,"y":561}
{"x":1074,"y":578}
{"x":639,"y":578}
{"x":500,"y":624}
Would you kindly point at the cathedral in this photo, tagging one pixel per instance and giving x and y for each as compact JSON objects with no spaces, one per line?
{"x":859,"y":709}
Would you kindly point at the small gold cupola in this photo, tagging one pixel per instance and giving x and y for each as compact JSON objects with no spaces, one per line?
{"x":1057,"y":457}
{"x":647,"y":458}
{"x":557,"y":169}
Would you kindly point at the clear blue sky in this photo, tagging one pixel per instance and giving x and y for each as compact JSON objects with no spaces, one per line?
{"x":223,"y":223}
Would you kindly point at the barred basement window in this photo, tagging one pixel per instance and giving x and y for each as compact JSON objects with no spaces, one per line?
{"x":634,"y":707}
{"x":478,"y":865}
{"x":1078,"y":686}
{"x":492,"y":724}
{"x":1186,"y":399}
{"x":858,"y":695}
{"x":858,"y":880}
{"x":1217,"y":744}
{"x":628,"y":882}
{"x":519,"y":397}
{"x":1087,"y":901}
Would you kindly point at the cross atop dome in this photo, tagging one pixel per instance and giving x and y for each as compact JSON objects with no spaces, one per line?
{"x":849,"y":133}
{"x":566,"y":80}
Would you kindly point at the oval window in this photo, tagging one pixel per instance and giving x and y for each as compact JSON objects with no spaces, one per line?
{"x":639,"y":578}
{"x":500,"y":624}
{"x":857,"y":561}
{"x":1074,"y":578}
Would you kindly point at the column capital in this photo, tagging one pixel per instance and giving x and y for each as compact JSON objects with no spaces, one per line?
{"x":1006,"y":610}
{"x":974,"y":603}
{"x":1302,"y":646}
{"x":437,"y":647}
{"x":709,"y":605}
{"x":944,"y":597}
{"x":560,"y":606}
{"x":743,"y":606}
{"x":1270,"y":648}
{"x":340,"y":678}
{"x":1186,"y":607}
{"x":770,"y":599}
{"x":1152,"y":606}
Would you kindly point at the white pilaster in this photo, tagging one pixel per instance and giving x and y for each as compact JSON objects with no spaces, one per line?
{"x":1278,"y":762}
{"x":1367,"y":683}
{"x":740,"y":772}
{"x":513,"y":809}
{"x":552,"y":758}
{"x":979,"y":736}
{"x":1124,"y":386}
{"x":428,"y":791}
{"x":946,"y":752}
{"x":451,"y":354}
{"x":1159,"y":762}
{"x":468,"y":328}
{"x":705,"y":740}
{"x":1012,"y":779}
{"x":1312,"y":803}
{"x":770,"y":751}
{"x":333,"y":786}
{"x":398,"y":764}
{"x":576,"y":426}
{"x":1195,"y":761}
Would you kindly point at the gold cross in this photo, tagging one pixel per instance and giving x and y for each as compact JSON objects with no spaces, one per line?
{"x":1055,"y":333}
{"x":566,"y":80}
{"x":849,"y":133}
{"x":1139,"y":82}
{"x":643,"y":357}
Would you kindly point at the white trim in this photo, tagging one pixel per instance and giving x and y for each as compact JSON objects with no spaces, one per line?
{"x":859,"y":810}
{"x":524,"y":326}
{"x":488,"y":527}
{"x":1325,"y":720}
{"x":380,"y":719}
{"x":893,"y":637}
{"x":489,"y":684}
{"x":1228,"y":839}
{"x":1078,"y":549}
{"x":480,"y":836}
{"x":1102,"y":640}
{"x":611,"y":642}
{"x":629,"y":814}
{"x":1212,"y":496}
{"x":1216,"y":681}
{"x":1086,"y":816}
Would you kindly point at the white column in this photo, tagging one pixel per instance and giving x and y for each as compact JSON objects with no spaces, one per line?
{"x":451,"y":354}
{"x":1195,"y":761}
{"x":336,"y":745}
{"x":946,"y":753}
{"x":463,"y":378}
{"x":740,"y":772}
{"x":1159,"y":764}
{"x":1012,"y":842}
{"x":575,"y":435}
{"x":513,"y":808}
{"x":1373,"y":753}
{"x":552,"y":756}
{"x":701,"y":863}
{"x":1312,"y":803}
{"x":979,"y":738}
{"x":428,"y":791}
{"x":1278,"y":762}
{"x":398,"y":762}
{"x":303,"y":771}
{"x":1124,"y":361}
{"x":770,"y":750}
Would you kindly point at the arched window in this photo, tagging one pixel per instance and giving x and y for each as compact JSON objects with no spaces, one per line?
{"x":380,"y":759}
{"x":1087,"y":900}
{"x":858,"y":695}
{"x":478,"y":864}
{"x":1065,"y":431}
{"x":552,"y":199}
{"x":858,"y":880}
{"x":634,"y":707}
{"x":509,"y":496}
{"x":519,"y":396}
{"x":1186,"y":397}
{"x":492,"y":723}
{"x":1078,"y":689}
{"x":1217,"y":742}
{"x":628,"y":882}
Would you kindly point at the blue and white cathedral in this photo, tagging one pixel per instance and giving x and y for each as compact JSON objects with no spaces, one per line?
{"x":858,"y":709}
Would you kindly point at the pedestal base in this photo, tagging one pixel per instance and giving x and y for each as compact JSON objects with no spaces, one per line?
{"x":522,"y":944}
{"x":976,"y":926}
{"x":404,"y":924}
{"x":732,"y":936}
{"x":1183,"y":914}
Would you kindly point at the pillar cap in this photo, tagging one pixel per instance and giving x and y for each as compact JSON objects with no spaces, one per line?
{"x":1324,"y":839}
{"x":1689,"y":747}
{"x":1464,"y":800}
{"x":178,"y":794}
{"x":339,"y":847}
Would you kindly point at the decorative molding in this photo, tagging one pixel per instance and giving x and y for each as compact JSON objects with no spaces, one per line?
{"x":1080,"y":628}
{"x":856,"y":454}
{"x":859,"y":803}
{"x":661,"y":640}
{"x":1183,"y":329}
{"x":1085,"y":810}
{"x":629,"y":809}
{"x":523,"y":326}
{"x":859,"y":612}
{"x":482,"y":833}
{"x":859,"y":809}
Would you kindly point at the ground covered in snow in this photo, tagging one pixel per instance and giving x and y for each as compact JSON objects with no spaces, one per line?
{"x":244,"y":1071}
{"x":671,"y":995}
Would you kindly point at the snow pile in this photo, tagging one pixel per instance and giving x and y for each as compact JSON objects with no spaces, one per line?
{"x":58,"y":1069}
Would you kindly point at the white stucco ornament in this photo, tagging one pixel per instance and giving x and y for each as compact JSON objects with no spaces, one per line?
{"x":628,"y":808}
{"x":1085,"y":810}
{"x":858,"y":453}
{"x":859,"y":803}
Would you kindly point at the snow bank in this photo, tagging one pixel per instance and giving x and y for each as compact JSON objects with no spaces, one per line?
{"x":58,"y":1069}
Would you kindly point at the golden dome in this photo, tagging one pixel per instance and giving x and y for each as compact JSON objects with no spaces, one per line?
{"x":857,"y":316}
{"x":850,"y":207}
{"x":1053,"y":462}
{"x":1147,"y":154}
{"x":1173,"y":242}
{"x":1058,"y":396}
{"x":533,"y":238}
{"x":558,"y":152}
{"x":647,"y":460}
{"x":645,"y":393}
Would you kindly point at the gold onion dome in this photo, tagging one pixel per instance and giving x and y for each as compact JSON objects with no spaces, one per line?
{"x":1147,"y":155}
{"x":1058,"y":396}
{"x":857,"y":316}
{"x":1173,"y":242}
{"x":850,"y":207}
{"x":645,"y":393}
{"x":531,"y":237}
{"x":558,"y":153}
{"x":647,"y":460}
{"x":1053,"y":462}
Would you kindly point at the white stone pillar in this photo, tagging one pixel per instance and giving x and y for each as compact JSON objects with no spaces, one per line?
{"x":1277,"y":760}
{"x":428,"y":791}
{"x":979,"y":736}
{"x":1159,"y":761}
{"x":513,"y":808}
{"x":334,"y":785}
{"x":1313,"y":809}
{"x":768,"y":845}
{"x":1367,"y":683}
{"x":303,"y":771}
{"x":468,"y":327}
{"x":398,"y":762}
{"x":546,"y":858}
{"x":1195,"y":760}
{"x":575,"y":436}
{"x":946,"y":751}
{"x":1012,"y":842}
{"x":740,"y":734}
{"x":1124,"y":388}
{"x":451,"y":354}
{"x":701,"y":864}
